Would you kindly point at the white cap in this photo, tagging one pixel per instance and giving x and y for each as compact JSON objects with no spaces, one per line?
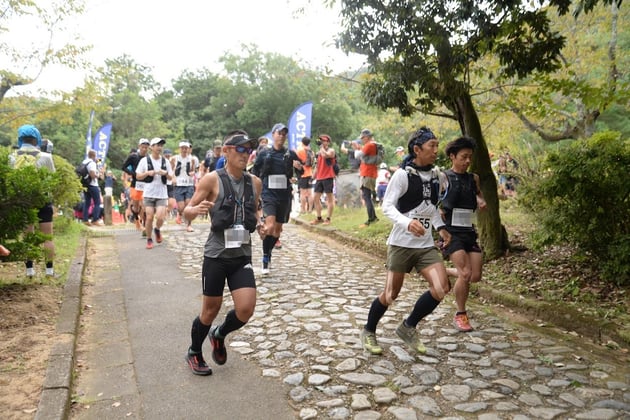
{"x":157,"y":140}
{"x":400,"y":149}
{"x":184,"y":144}
{"x":383,"y":165}
{"x":143,"y":141}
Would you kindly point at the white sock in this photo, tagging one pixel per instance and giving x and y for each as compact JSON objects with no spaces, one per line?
{"x":50,"y":271}
{"x":30,"y":272}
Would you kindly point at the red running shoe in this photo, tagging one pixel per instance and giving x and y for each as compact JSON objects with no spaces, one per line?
{"x":197,"y":364}
{"x":219,"y":353}
{"x":149,"y":243}
{"x":461,"y":323}
{"x":158,"y":235}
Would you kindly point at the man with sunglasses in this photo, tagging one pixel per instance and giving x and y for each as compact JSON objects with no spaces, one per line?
{"x":274,"y":166}
{"x":232,"y":198}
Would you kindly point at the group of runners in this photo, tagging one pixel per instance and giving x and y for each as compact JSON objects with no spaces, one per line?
{"x":419,"y":198}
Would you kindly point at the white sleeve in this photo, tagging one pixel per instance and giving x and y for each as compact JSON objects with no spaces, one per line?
{"x":142,"y":165}
{"x":396,"y":188}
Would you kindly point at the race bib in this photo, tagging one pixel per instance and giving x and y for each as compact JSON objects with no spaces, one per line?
{"x":235,"y":236}
{"x":463,"y":217}
{"x":424,"y":219}
{"x":277,"y":182}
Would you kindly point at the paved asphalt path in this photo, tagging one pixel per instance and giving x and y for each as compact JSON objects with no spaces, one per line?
{"x":135,"y":325}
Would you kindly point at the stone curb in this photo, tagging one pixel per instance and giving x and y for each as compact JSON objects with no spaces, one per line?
{"x":597,"y":330}
{"x":54,"y":402}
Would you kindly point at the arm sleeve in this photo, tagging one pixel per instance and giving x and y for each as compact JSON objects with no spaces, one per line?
{"x":396,"y":188}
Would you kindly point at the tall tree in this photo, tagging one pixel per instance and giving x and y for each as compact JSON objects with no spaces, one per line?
{"x":420,"y":54}
{"x":23,"y":63}
{"x":566,"y":104}
{"x":129,"y":87}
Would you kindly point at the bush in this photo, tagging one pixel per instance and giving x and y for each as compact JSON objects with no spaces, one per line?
{"x":22,"y":192}
{"x":581,"y":197}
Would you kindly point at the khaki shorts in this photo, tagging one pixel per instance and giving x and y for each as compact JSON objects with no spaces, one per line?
{"x":403,"y":260}
{"x":368,"y":182}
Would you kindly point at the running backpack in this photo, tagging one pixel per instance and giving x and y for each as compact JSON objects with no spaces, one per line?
{"x":23,"y":159}
{"x":380,"y":153}
{"x":310,"y":158}
{"x":378,"y":158}
{"x":84,"y":175}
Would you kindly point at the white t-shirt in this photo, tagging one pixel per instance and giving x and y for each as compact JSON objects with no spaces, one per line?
{"x":154,"y":189}
{"x":183,"y":180}
{"x":425,"y":212}
{"x":91,"y":167}
{"x":383,"y":176}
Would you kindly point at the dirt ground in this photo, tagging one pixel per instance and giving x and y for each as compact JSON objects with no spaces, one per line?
{"x":28,"y":316}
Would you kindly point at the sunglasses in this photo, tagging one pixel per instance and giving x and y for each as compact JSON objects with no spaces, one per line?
{"x":242,"y":149}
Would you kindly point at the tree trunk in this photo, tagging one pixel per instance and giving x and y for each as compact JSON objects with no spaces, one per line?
{"x":492,"y":235}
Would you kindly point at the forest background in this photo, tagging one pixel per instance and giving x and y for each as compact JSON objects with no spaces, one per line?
{"x":531,"y":114}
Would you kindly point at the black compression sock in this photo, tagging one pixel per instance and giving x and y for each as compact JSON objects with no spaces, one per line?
{"x":231,"y":323}
{"x":198,"y":333}
{"x":377,"y":310}
{"x":268,"y":243}
{"x":423,"y":307}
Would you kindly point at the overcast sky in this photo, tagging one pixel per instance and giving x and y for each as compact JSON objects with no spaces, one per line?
{"x":171,"y":36}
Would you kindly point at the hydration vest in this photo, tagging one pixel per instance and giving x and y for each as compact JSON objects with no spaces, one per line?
{"x":462,"y":188}
{"x":419,"y":190}
{"x":149,"y":179}
{"x":225,"y":214}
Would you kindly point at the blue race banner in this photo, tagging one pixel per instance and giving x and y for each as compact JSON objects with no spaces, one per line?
{"x":101,"y":141}
{"x":88,"y":137}
{"x":300,"y":124}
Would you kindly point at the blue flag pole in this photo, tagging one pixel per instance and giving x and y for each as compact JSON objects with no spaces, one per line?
{"x":88,"y":137}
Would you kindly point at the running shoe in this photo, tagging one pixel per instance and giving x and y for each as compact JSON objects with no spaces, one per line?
{"x":368,"y":340}
{"x":327,"y":221}
{"x":158,"y":235}
{"x":317,"y":221}
{"x":197,"y":364}
{"x":265,"y":266}
{"x":461,"y":323}
{"x":144,"y":233}
{"x":278,"y":244}
{"x":149,"y":243}
{"x":369,"y":222}
{"x":219,"y":353}
{"x":410,"y":336}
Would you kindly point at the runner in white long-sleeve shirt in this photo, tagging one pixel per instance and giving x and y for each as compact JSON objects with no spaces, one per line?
{"x":411,"y":202}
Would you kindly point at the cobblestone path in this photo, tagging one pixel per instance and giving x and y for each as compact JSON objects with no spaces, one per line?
{"x":305,"y":333}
